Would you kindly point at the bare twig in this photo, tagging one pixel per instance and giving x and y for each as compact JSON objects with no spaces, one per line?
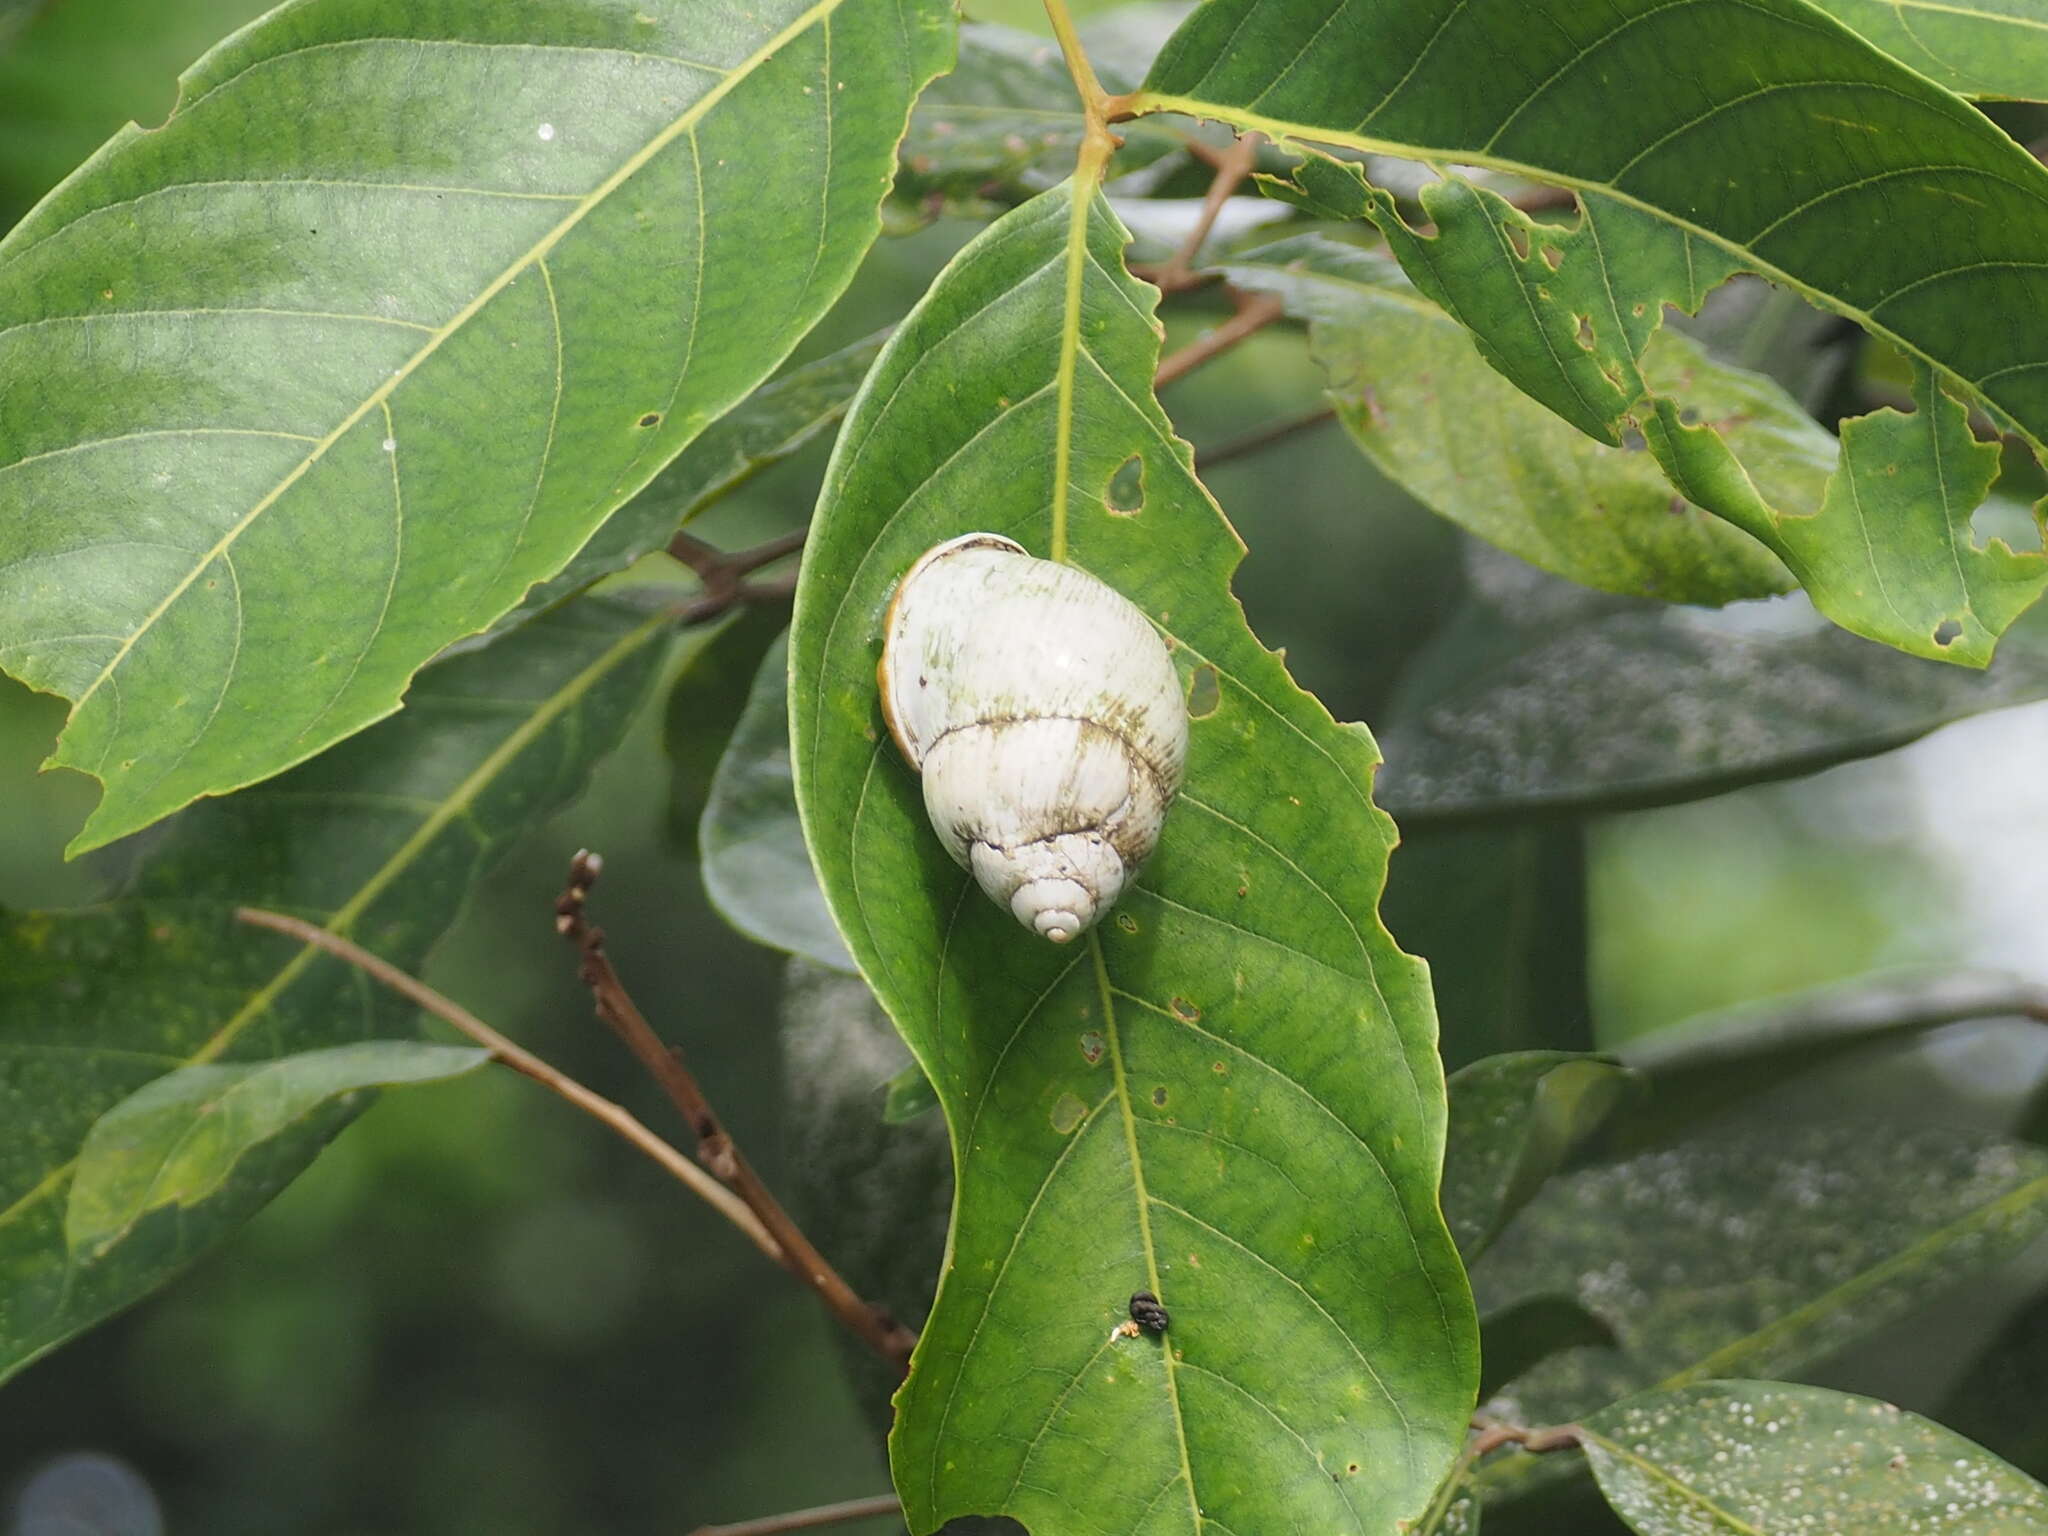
{"x":1263,"y":437}
{"x":1493,"y":1434}
{"x":715,"y":1147}
{"x":525,"y":1062}
{"x":1232,"y":166}
{"x":807,"y":1519}
{"x":1254,"y":313}
{"x":723,"y":574}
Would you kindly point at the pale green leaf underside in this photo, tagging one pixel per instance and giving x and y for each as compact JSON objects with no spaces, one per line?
{"x":1983,"y":48}
{"x":373,"y":333}
{"x":1754,"y":1458}
{"x":380,"y":839}
{"x":177,"y":1140}
{"x":1230,"y":1095}
{"x":1425,"y":407}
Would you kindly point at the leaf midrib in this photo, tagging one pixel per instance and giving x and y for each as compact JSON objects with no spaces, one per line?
{"x":456,"y":805}
{"x":1281,"y":130}
{"x":685,"y":123}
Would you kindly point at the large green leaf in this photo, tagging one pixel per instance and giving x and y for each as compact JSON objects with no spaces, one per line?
{"x":1738,"y":1458}
{"x":1985,"y":48}
{"x":175,"y":1141}
{"x":1644,"y":108}
{"x":1755,"y":1247}
{"x":380,"y":839}
{"x":1425,"y":407}
{"x":1542,"y":696}
{"x":1229,"y":1094}
{"x":399,"y":304}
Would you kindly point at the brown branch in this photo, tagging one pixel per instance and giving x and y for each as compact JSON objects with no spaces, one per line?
{"x":807,"y":1519}
{"x":1493,"y":1434}
{"x":715,"y":1146}
{"x":525,"y":1062}
{"x":1262,"y":437}
{"x":722,"y":573}
{"x":1232,"y":166}
{"x":1254,"y":313}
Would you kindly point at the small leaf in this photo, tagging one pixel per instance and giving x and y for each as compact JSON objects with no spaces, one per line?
{"x":380,"y":326}
{"x":177,"y":1140}
{"x":1540,"y":696}
{"x":1982,"y":48}
{"x":1514,"y":1121}
{"x":756,"y":868}
{"x":1738,"y":1458}
{"x":1413,"y":393}
{"x":380,"y":838}
{"x":1228,"y":1094}
{"x":704,"y":706}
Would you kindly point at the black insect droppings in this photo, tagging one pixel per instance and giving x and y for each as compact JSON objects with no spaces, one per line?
{"x":1148,"y":1314}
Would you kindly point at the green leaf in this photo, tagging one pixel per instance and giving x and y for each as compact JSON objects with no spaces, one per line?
{"x":379,"y":839}
{"x":1885,"y":548}
{"x":1539,"y":696}
{"x":704,"y":706}
{"x":1755,"y":1247}
{"x":764,"y":429}
{"x":1514,"y":1121}
{"x":1745,"y":1457}
{"x":1229,"y":1094}
{"x":376,"y":330}
{"x":1409,"y":387}
{"x":1982,"y":48}
{"x":1702,"y":1065}
{"x":757,"y":870}
{"x":1642,"y":108}
{"x":175,"y":1141}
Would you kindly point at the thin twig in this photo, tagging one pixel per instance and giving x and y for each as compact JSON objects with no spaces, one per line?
{"x":1263,"y":437}
{"x":1493,"y":1434}
{"x":1254,"y":313}
{"x":525,"y":1062}
{"x":715,"y":1146}
{"x":722,"y":573}
{"x":1232,"y":166}
{"x":807,"y":1519}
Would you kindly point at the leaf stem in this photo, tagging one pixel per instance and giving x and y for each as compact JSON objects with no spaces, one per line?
{"x":523,"y":1061}
{"x":715,"y":1146}
{"x":807,"y":1519}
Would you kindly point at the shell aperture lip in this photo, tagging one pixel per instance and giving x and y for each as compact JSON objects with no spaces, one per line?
{"x":1044,"y":713}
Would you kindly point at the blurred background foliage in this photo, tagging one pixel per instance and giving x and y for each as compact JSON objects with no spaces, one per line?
{"x":478,"y":1314}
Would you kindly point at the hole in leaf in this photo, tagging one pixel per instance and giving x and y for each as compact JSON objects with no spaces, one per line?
{"x":1633,"y":441}
{"x":1183,"y":1010}
{"x":1205,"y":693}
{"x":1586,"y":332}
{"x":651,"y":419}
{"x":1518,"y":237}
{"x":1092,"y":1046}
{"x":1126,"y":493}
{"x":1690,"y":415}
{"x":1159,"y":1098}
{"x":1553,"y":257}
{"x":1946,"y":631}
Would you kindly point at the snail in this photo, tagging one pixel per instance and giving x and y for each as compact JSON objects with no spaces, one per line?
{"x":1043,"y":712}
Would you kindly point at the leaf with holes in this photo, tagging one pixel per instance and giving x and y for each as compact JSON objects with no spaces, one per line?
{"x":1733,"y":1458}
{"x":1985,"y":48}
{"x":380,"y":839}
{"x":1408,"y":386}
{"x":387,"y":318}
{"x":1228,"y":1094}
{"x":1642,"y":108}
{"x":1883,"y":545}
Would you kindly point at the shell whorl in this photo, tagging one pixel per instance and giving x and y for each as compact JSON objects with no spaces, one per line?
{"x":1046,"y":719}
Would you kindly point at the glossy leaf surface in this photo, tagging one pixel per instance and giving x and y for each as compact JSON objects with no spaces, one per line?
{"x":174,"y":1142}
{"x":1412,"y":391}
{"x":379,"y":839}
{"x":1228,"y":1094}
{"x":373,"y":333}
{"x":1733,"y":1458}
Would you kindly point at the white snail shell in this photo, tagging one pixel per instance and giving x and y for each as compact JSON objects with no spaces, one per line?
{"x":1045,"y":716}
